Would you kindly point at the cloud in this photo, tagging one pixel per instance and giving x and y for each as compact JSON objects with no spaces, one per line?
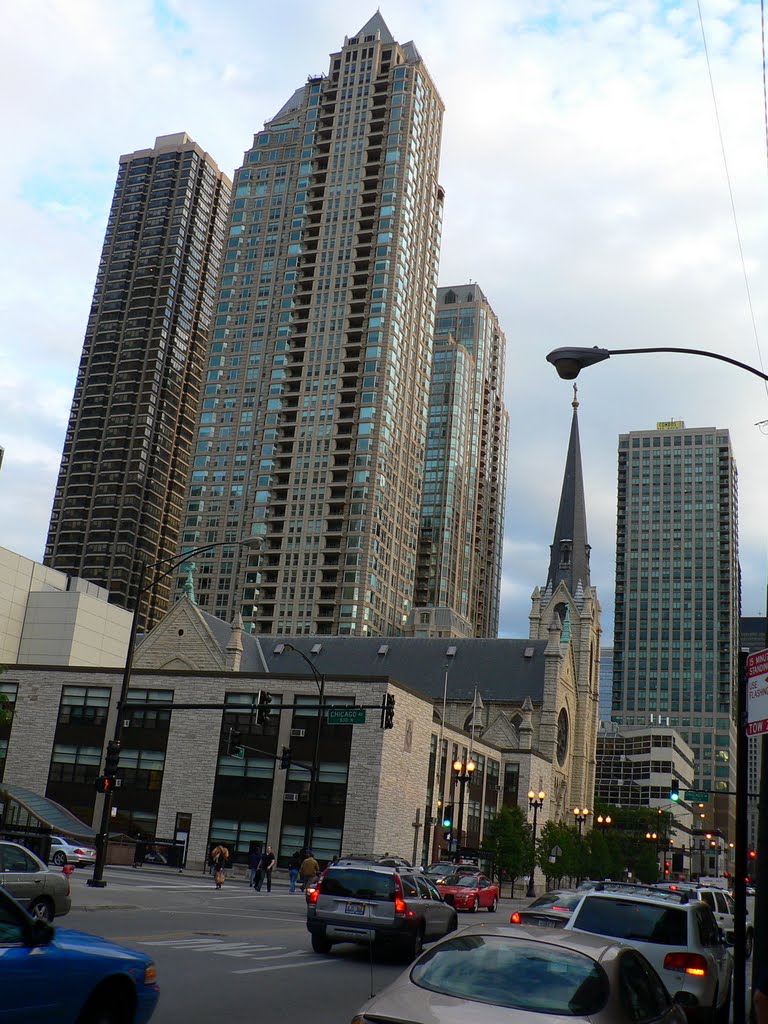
{"x":585,"y":193}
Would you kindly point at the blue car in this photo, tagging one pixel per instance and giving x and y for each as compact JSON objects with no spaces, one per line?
{"x":52,"y":974}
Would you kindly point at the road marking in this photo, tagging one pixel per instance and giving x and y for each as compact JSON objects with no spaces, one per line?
{"x":288,"y":967}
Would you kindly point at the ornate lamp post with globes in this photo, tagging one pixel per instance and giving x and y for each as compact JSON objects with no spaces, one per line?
{"x":462,"y":773}
{"x":535,"y":803}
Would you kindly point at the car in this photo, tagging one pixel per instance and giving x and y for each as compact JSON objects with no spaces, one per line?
{"x":64,"y":852}
{"x":53,"y":974}
{"x":677,"y":934}
{"x":720,"y":902}
{"x":44,"y":893}
{"x":374,"y":903}
{"x":497,"y":974}
{"x":437,"y":872}
{"x":469,"y":892}
{"x":396,"y":862}
{"x":551,"y":910}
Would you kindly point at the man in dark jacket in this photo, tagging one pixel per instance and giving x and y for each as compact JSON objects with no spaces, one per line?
{"x":266,"y":864}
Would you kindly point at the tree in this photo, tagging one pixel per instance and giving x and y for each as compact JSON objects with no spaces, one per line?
{"x":6,"y":713}
{"x":508,"y":838}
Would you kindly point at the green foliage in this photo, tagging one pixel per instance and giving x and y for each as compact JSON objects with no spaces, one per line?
{"x":6,"y":715}
{"x":508,"y":837}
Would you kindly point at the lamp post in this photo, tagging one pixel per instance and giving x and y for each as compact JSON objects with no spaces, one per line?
{"x":580,"y":815}
{"x":653,"y":837}
{"x":603,"y":820}
{"x":313,"y":779}
{"x":714,"y":846}
{"x":113,"y":747}
{"x":462,"y":773}
{"x":569,"y":362}
{"x":535,"y":803}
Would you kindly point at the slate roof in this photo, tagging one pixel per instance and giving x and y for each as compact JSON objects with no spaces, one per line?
{"x":502,"y":670}
{"x":374,"y":25}
{"x":48,"y":812}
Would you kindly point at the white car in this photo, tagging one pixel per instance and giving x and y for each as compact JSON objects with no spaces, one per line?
{"x":720,"y":902}
{"x":676,"y":933}
{"x":63,"y":852}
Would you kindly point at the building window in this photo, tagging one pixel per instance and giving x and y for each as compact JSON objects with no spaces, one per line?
{"x":149,"y":718}
{"x":142,"y":769}
{"x":237,"y":835}
{"x":84,"y":705}
{"x":511,"y":784}
{"x":75,"y":764}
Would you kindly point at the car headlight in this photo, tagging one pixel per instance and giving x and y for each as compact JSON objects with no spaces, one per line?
{"x":150,"y":975}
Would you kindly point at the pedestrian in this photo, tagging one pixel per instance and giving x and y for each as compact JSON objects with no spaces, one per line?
{"x":253,"y":865}
{"x":760,"y":998}
{"x":293,"y":870}
{"x":266,"y":864}
{"x":219,"y":856}
{"x":309,"y":870}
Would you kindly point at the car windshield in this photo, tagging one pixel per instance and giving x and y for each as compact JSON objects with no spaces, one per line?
{"x":520,"y":974}
{"x":628,"y":919}
{"x":563,"y":900}
{"x":468,"y":881}
{"x":359,"y":884}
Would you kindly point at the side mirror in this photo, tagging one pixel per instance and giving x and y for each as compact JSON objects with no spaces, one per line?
{"x":41,"y":932}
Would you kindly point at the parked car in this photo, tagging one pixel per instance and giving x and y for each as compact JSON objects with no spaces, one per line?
{"x":469,"y":892}
{"x":720,"y":902}
{"x":44,"y":893}
{"x":364,"y":903}
{"x":64,"y":852}
{"x":496,"y":974}
{"x":551,"y":910}
{"x":53,"y":974}
{"x":677,"y":934}
{"x":437,"y":872}
{"x":396,"y":862}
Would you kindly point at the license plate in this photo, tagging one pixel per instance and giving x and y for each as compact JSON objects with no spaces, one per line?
{"x":543,"y":922}
{"x":355,"y":908}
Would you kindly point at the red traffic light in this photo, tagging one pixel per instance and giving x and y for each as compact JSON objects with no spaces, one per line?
{"x":752,"y":854}
{"x":104,"y":783}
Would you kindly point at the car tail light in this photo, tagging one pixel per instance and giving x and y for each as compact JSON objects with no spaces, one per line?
{"x":562,"y":910}
{"x":686,"y":963}
{"x":515,"y":918}
{"x":313,"y":894}
{"x":80,"y":853}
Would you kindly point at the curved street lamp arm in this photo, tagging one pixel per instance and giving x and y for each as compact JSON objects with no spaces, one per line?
{"x":569,"y":362}
{"x":693,"y":352}
{"x":313,"y":668}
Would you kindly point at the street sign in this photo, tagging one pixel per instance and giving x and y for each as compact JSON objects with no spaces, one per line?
{"x":757,"y":693}
{"x":239,"y":752}
{"x":346,"y":716}
{"x":697,"y":796}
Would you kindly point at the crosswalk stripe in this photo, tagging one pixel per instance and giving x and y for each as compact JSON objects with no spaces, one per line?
{"x":287,"y":967}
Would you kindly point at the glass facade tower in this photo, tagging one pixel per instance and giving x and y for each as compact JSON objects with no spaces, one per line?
{"x":676,"y":633}
{"x":312,"y":427}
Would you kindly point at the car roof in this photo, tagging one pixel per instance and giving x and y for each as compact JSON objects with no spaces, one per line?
{"x":364,"y":865}
{"x":658,"y":896}
{"x":595,"y":945}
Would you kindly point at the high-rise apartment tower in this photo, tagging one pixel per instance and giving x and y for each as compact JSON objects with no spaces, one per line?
{"x":676,"y":633}
{"x":462,"y":514}
{"x":313,"y":422}
{"x":126,"y":459}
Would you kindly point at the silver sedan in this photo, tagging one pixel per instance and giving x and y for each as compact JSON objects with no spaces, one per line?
{"x":43,"y":892}
{"x":545,"y":977}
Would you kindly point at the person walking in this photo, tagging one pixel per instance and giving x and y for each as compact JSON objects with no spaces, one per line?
{"x":254,"y":858}
{"x":309,"y":870}
{"x":219,"y":856}
{"x":293,"y":870}
{"x":266,"y":864}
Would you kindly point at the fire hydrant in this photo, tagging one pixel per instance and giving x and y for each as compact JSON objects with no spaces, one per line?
{"x":68,"y":869}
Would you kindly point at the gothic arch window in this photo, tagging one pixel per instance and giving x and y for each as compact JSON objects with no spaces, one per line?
{"x":562,"y":737}
{"x":517,"y":720}
{"x":450,"y":296}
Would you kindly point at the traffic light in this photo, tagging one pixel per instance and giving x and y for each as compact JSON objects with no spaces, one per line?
{"x":104,"y":784}
{"x":388,"y":712}
{"x":674,"y":790}
{"x":285,"y":759}
{"x":113,"y":758}
{"x":263,"y":711}
{"x":448,"y":816}
{"x":666,"y":868}
{"x":233,"y":743}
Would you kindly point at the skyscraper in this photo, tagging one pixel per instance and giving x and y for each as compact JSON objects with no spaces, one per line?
{"x":127,"y":449}
{"x":676,"y":629}
{"x":462,"y":514}
{"x":313,"y":423}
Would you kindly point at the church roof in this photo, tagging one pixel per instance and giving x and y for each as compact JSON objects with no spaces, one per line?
{"x":502,"y":670}
{"x":569,"y":560}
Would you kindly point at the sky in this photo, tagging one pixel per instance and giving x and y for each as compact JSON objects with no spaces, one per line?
{"x":586,"y":192}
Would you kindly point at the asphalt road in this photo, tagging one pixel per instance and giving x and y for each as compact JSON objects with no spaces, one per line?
{"x":233,"y":955}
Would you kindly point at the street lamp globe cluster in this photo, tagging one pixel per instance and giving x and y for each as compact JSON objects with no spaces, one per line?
{"x":535,"y":803}
{"x":462,"y":773}
{"x":580,"y":815}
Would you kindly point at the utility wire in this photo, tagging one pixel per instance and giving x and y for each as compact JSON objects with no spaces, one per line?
{"x":730,"y":187}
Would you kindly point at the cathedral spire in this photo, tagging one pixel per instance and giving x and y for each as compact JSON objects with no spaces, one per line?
{"x":569,"y":560}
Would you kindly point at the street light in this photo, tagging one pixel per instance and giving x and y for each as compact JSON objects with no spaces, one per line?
{"x":580,"y":815}
{"x":569,"y":362}
{"x":535,"y":803}
{"x":462,"y":773}
{"x":313,"y":779}
{"x":603,"y":820}
{"x":113,"y":746}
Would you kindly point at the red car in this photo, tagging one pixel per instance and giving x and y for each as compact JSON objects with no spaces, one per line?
{"x":469,"y":892}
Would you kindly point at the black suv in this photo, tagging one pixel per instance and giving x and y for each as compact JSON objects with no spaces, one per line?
{"x":373,"y":903}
